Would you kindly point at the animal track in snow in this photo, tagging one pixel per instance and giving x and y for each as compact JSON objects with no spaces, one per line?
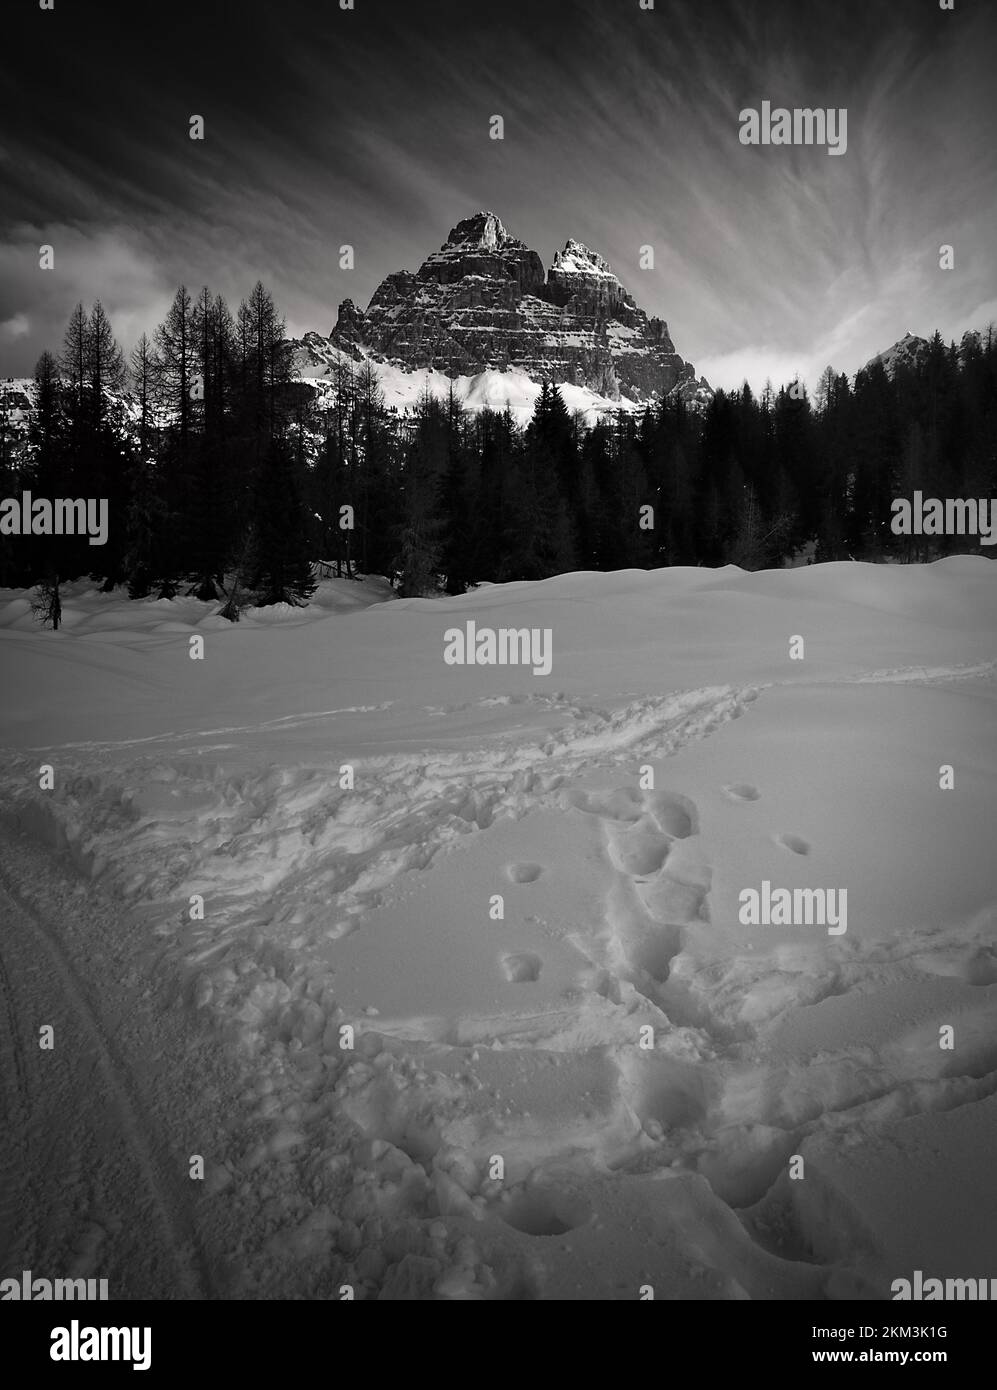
{"x":741,"y":791}
{"x":795,"y":843}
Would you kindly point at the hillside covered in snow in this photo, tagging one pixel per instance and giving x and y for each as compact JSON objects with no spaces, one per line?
{"x":469,"y":1008}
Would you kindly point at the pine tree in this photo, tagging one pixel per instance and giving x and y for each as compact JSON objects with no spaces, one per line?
{"x":282,"y":565}
{"x":338,"y":477}
{"x":7,"y":441}
{"x":106,"y":364}
{"x":329,"y":494}
{"x":15,"y":560}
{"x":376,"y":496}
{"x":263,"y":370}
{"x":420,"y":533}
{"x":539,"y":531}
{"x":175,"y":380}
{"x":458,"y":485}
{"x":74,"y":362}
{"x":50,"y":473}
{"x":176,"y":366}
{"x":144,"y":515}
{"x":111,"y":460}
{"x":141,"y":376}
{"x":876,"y":445}
{"x":214,"y":500}
{"x":46,"y":431}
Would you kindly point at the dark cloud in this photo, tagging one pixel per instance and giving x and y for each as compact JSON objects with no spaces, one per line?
{"x":371,"y":127}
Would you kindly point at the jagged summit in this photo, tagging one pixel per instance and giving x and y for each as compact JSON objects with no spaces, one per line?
{"x":906,"y":352}
{"x":484,"y":302}
{"x":478,"y":248}
{"x":482,"y":229}
{"x":576,"y":256}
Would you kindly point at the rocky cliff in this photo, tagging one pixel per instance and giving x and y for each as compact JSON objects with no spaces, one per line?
{"x":484,"y":302}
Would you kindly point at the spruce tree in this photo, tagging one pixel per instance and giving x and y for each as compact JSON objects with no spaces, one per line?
{"x":112,"y":458}
{"x":420,"y":532}
{"x":282,"y":565}
{"x":53,"y":558}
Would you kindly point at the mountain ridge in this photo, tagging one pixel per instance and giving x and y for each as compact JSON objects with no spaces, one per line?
{"x":905,"y":352}
{"x":485,"y":303}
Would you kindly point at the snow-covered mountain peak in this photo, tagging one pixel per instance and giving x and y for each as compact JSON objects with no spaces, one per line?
{"x":481,"y":229}
{"x":483,"y":305}
{"x":907,"y":352}
{"x":578,"y":258}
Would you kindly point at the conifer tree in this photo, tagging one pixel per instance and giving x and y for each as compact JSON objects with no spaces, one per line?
{"x":53,"y":557}
{"x":282,"y":567}
{"x":420,"y":532}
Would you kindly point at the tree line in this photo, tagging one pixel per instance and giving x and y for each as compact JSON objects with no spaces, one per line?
{"x":227,"y":477}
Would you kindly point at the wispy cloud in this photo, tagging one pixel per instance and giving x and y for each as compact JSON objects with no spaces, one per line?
{"x":370,"y":127}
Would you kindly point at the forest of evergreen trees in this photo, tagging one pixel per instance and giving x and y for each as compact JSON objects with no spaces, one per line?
{"x":228,"y":479}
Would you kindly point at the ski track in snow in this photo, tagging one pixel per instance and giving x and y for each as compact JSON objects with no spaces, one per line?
{"x":15,"y":1200}
{"x":319,"y":859}
{"x":287,"y":721}
{"x":47,"y":1105}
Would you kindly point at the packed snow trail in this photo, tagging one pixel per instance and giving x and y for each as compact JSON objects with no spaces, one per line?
{"x":94,"y":1181}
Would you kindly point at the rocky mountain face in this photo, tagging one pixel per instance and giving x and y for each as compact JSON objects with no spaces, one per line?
{"x":907,"y":352}
{"x":485,"y":302}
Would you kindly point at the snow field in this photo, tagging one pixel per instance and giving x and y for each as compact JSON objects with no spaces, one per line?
{"x":520,"y":1036}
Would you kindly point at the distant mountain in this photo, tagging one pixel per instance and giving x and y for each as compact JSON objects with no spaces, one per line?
{"x":908,"y":352}
{"x":482,"y":311}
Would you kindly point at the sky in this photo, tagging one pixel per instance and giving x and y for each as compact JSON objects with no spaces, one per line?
{"x":370,"y":127}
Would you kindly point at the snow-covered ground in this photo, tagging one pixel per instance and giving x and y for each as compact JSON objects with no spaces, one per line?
{"x":495,"y":389}
{"x":645,"y":1066}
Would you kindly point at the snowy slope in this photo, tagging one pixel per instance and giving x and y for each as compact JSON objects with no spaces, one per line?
{"x":494,"y":389}
{"x":520,"y":1037}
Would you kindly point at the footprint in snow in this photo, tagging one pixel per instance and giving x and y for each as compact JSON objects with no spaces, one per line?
{"x":522,"y":967}
{"x":524,"y":873}
{"x":794,"y":843}
{"x":741,"y":791}
{"x":622,"y":804}
{"x":676,"y":815}
{"x":637,"y":849}
{"x":670,"y":900}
